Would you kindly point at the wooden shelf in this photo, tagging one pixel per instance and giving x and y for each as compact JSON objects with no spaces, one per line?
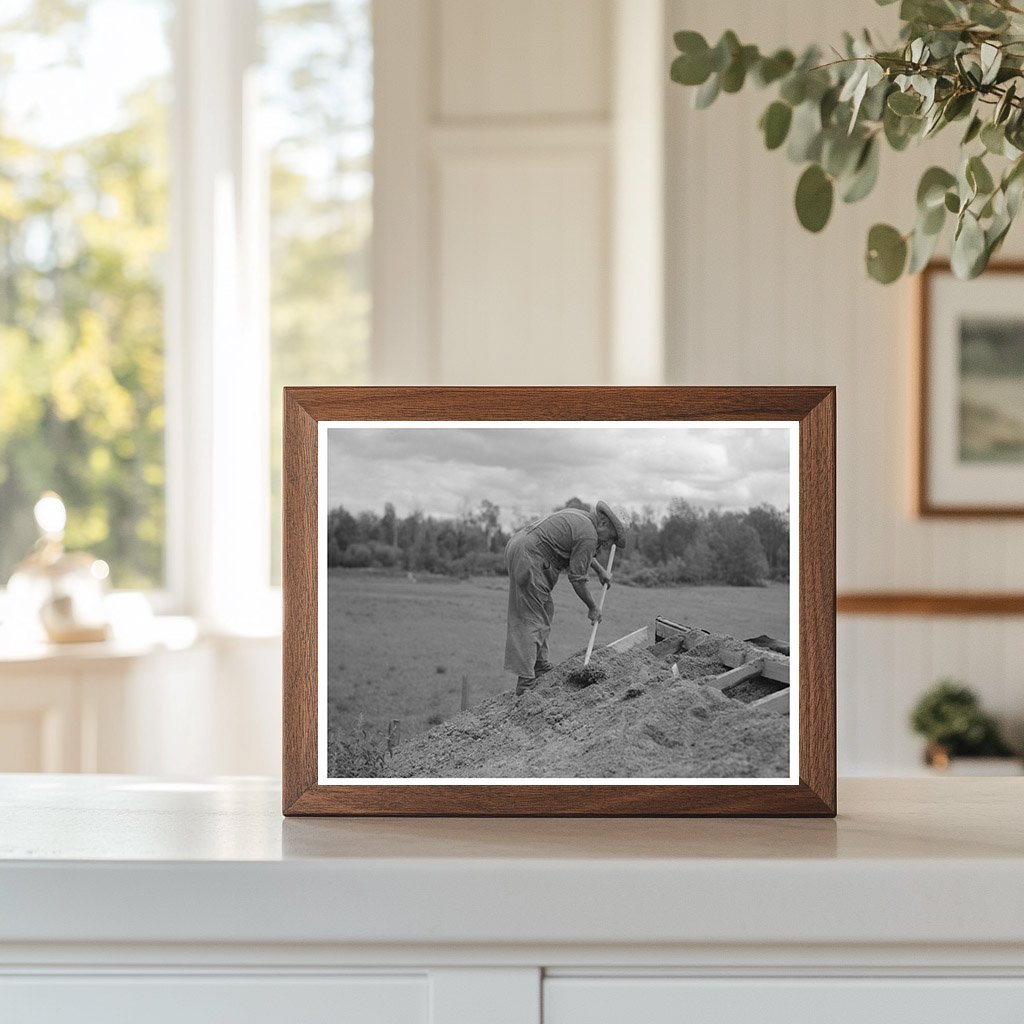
{"x":928,"y":603}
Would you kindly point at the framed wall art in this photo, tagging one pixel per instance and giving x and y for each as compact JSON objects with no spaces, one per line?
{"x":970,"y":444}
{"x":559,"y":601}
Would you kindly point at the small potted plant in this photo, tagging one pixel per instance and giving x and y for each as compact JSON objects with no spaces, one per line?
{"x":950,"y":717}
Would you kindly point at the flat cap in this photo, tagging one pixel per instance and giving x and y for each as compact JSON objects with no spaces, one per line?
{"x":620,"y":531}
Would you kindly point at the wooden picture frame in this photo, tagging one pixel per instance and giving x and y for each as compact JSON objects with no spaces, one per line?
{"x":955,"y":475}
{"x":808,"y":791}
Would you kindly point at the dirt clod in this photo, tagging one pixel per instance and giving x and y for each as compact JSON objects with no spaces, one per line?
{"x":585,"y":676}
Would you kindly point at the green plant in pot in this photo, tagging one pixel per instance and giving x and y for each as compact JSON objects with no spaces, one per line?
{"x":957,"y":62}
{"x":949,"y":716}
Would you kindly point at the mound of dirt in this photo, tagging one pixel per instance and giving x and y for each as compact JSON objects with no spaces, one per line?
{"x":630,"y":718}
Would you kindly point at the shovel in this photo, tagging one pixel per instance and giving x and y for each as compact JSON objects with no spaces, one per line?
{"x":600,"y":607}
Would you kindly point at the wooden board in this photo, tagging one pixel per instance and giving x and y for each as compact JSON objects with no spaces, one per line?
{"x":736,"y":675}
{"x":778,"y":702}
{"x":664,"y":628}
{"x":777,"y":671}
{"x":306,"y":409}
{"x":638,"y":638}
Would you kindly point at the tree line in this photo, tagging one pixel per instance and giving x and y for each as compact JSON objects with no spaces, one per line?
{"x":687,"y":544}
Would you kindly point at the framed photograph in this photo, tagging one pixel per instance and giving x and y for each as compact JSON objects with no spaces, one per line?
{"x":970,"y":451}
{"x":559,"y":601}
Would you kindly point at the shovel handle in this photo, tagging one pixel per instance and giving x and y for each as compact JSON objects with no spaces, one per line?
{"x":600,"y":607}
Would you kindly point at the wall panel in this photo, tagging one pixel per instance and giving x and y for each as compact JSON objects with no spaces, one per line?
{"x":522,"y":280}
{"x":531,"y":58}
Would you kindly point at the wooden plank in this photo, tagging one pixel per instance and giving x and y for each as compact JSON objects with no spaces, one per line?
{"x":777,"y":702}
{"x":639,"y":637}
{"x":665,"y":628}
{"x":670,"y":645}
{"x":909,"y":603}
{"x":778,"y":671}
{"x":736,"y":675}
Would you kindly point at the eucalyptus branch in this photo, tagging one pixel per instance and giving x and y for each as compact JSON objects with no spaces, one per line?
{"x":953,"y":59}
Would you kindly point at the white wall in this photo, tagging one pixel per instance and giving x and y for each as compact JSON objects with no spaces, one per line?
{"x":504,"y":135}
{"x":754,"y":299}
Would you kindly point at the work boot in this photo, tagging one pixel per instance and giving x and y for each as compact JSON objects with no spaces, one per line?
{"x":542,"y":666}
{"x":523,"y":684}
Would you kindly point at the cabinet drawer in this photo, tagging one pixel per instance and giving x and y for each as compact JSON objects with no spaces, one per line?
{"x":783,"y":1000}
{"x":202,"y":999}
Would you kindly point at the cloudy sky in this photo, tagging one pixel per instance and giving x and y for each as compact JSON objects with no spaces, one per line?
{"x":527,"y":471}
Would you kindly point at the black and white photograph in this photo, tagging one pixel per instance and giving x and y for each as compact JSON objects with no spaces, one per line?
{"x":992,"y":389}
{"x":971,"y":393}
{"x":571,"y":601}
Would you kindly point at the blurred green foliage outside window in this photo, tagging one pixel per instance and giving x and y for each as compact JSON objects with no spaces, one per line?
{"x":85,"y":108}
{"x":83,"y":237}
{"x":317,"y":119}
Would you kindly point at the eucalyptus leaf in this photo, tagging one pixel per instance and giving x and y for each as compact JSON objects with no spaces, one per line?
{"x":691,"y":69}
{"x":735,"y":74}
{"x":931,"y":190}
{"x":771,"y":69}
{"x":922,"y":248}
{"x":1014,"y":191}
{"x":978,"y":176}
{"x":707,"y":93}
{"x":904,"y":103}
{"x":873,"y":106}
{"x":973,"y":130}
{"x":968,"y":247}
{"x":814,"y":195}
{"x":991,"y":60}
{"x":987,"y":15}
{"x":840,"y":152}
{"x":993,"y":138}
{"x":1005,"y":104}
{"x":958,"y":105}
{"x":886,"y":253}
{"x":805,"y":133}
{"x":865,"y":173}
{"x":724,"y":51}
{"x":932,"y":221}
{"x":900,"y":130}
{"x":775,"y":124}
{"x":794,"y":88}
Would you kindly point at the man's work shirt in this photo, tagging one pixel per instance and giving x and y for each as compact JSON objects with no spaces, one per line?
{"x":566,"y":539}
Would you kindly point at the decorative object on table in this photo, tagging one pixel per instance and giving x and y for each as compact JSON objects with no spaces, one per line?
{"x":955,"y":62}
{"x":970,"y":445}
{"x":425,"y":530}
{"x":56,"y":593}
{"x":950,"y":717}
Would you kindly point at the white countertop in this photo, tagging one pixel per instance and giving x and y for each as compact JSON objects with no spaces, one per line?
{"x":121,"y":859}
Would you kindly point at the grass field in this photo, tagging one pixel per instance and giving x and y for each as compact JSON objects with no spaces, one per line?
{"x":399,"y":648}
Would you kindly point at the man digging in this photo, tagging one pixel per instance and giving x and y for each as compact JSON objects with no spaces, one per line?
{"x":566,"y":540}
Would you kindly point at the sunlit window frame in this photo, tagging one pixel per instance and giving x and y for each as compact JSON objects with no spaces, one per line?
{"x":217,"y":442}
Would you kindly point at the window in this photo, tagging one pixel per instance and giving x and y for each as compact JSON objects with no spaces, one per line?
{"x":83,"y":236}
{"x":185,"y":221}
{"x":317,"y":117}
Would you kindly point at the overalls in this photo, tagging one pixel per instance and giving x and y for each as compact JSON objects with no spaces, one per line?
{"x":535,"y":560}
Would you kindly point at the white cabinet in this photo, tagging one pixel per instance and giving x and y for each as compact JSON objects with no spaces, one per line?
{"x":101,"y":707}
{"x":201,"y":999}
{"x":823,"y":1000}
{"x":127,"y":899}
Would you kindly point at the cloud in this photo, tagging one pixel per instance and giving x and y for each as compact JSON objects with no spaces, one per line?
{"x":530,"y":470}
